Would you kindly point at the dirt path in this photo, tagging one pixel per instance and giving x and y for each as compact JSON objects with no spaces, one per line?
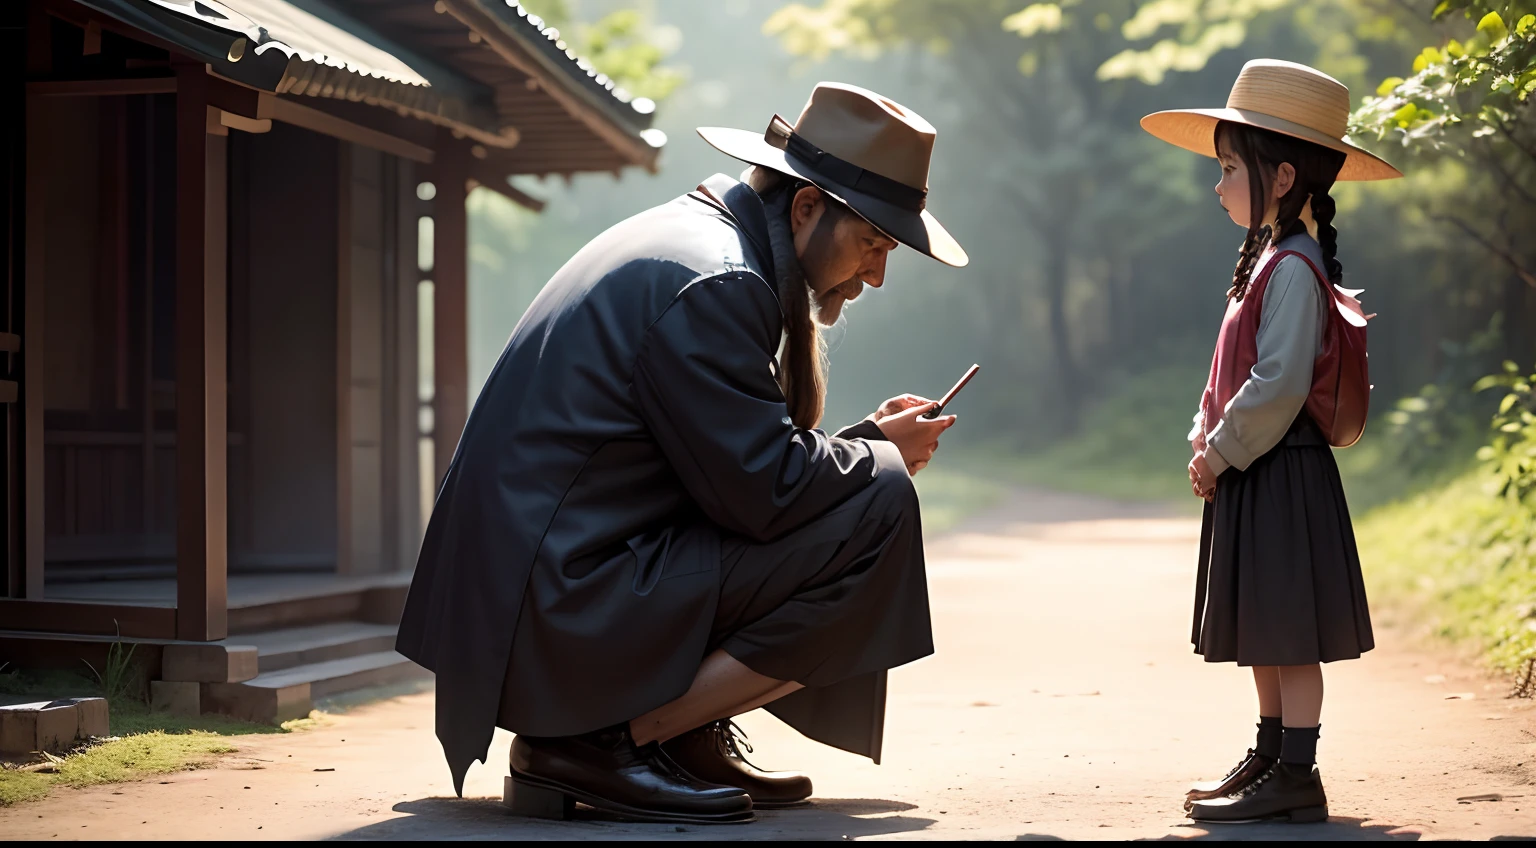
{"x":1063,"y":702}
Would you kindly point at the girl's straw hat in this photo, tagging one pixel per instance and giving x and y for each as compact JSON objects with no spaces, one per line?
{"x":1283,"y":97}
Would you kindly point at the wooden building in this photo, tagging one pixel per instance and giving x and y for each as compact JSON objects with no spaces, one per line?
{"x":234,"y":368}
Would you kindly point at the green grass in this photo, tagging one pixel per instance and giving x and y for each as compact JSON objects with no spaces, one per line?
{"x":1128,"y":446}
{"x":144,"y":743}
{"x":1461,"y":559}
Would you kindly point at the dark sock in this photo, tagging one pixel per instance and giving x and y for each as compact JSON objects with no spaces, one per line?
{"x":1299,"y":746}
{"x":1269,"y":737}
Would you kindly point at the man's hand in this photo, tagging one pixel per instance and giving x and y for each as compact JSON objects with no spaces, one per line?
{"x":914,"y":436}
{"x":1201,"y":479}
{"x":896,"y":405}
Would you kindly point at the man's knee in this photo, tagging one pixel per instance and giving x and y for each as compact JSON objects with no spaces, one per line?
{"x":893,"y":494}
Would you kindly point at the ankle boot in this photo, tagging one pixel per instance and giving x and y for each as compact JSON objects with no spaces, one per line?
{"x":1251,"y":767}
{"x":606,"y":770}
{"x":713,"y":753}
{"x":1287,"y":791}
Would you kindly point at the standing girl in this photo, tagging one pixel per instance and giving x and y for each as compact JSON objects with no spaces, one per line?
{"x":1279,"y":587}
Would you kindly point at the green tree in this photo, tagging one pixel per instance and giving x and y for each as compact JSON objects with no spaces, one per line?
{"x":1088,"y":194}
{"x":1469,"y":100}
{"x":625,"y":44}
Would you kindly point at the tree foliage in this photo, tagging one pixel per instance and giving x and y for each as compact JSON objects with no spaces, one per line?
{"x":625,"y":44}
{"x":1088,"y":195}
{"x":1471,"y":97}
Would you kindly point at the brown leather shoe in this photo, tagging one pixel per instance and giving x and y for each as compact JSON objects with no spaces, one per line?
{"x":606,"y":770}
{"x":1286,"y":792}
{"x":712,"y":753}
{"x":1251,"y":767}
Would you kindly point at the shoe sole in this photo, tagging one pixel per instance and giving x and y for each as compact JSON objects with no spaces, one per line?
{"x":626,"y":812}
{"x":780,"y":805}
{"x":1303,"y":815}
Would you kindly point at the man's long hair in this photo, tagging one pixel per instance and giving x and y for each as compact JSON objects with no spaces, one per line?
{"x":802,"y":356}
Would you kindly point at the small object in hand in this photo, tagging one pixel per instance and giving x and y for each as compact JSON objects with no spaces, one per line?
{"x":950,"y":395}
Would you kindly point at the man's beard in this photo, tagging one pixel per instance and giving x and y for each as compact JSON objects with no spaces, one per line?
{"x":829,"y":305}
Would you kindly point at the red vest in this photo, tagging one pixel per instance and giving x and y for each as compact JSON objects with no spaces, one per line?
{"x":1341,"y":385}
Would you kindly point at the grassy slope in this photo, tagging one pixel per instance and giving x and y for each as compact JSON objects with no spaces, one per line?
{"x":1462,"y":560}
{"x":144,"y":743}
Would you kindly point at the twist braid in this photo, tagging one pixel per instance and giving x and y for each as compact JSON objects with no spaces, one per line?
{"x":1288,"y":215}
{"x":1323,"y":210}
{"x":1316,"y":167}
{"x":1247,"y":258}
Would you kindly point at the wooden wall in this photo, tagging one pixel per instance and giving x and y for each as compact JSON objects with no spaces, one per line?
{"x":284,"y":208}
{"x":376,"y":363}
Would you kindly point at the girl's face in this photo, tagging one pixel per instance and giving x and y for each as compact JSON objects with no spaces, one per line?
{"x":1234,"y":188}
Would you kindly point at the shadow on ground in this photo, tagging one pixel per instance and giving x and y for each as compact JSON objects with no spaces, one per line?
{"x":1336,"y":829}
{"x":486,"y":818}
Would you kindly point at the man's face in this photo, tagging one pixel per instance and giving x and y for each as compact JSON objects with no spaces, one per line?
{"x":838,"y":250}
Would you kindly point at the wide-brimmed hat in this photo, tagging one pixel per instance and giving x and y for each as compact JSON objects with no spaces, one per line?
{"x":865,"y":150}
{"x":1282,"y":97}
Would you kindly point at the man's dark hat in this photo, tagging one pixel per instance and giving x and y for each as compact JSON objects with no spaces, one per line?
{"x":864,"y":150}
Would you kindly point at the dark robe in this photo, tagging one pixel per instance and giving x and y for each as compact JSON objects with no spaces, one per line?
{"x":631,"y":431}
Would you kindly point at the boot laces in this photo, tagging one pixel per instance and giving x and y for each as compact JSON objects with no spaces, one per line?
{"x":1254,"y":787}
{"x":731,"y":739}
{"x":1240,"y":763}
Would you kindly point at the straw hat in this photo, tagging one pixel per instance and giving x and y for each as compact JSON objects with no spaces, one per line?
{"x":1284,"y":97}
{"x":865,"y":150}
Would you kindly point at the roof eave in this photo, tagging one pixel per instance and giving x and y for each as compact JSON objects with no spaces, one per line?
{"x":503,"y":31}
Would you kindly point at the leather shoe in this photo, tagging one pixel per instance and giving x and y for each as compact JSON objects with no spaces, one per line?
{"x":1251,"y":767}
{"x":1287,"y":791}
{"x":606,"y":770}
{"x":713,"y":753}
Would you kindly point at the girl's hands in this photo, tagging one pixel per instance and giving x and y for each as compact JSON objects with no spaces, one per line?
{"x":914,"y":436}
{"x":1201,"y":479}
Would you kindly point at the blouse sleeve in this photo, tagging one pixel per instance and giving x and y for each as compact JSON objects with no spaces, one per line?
{"x":1290,"y":328}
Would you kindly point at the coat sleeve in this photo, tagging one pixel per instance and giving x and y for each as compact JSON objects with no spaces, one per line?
{"x":1290,"y":328}
{"x":704,"y":388}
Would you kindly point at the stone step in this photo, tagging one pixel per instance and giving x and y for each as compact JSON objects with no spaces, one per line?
{"x":378,"y":600}
{"x":315,"y":643}
{"x":290,"y":692}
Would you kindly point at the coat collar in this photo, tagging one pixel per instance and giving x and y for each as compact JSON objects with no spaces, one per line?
{"x":739,"y":201}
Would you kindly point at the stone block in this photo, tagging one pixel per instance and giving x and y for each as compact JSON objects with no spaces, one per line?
{"x":265,"y":704}
{"x":43,"y":726}
{"x":94,"y":719}
{"x":57,"y":727}
{"x":179,"y":698}
{"x":211,"y":663}
{"x":18,"y":729}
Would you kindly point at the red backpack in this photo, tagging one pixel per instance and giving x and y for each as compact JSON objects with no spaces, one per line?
{"x":1341,"y":383}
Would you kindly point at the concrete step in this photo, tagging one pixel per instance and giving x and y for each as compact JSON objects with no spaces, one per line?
{"x":290,"y":692}
{"x":316,"y":643}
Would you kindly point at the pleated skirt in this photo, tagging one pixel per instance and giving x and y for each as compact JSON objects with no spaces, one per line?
{"x":1279,"y":581}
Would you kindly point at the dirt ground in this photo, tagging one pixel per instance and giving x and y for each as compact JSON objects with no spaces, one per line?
{"x":1063,"y":702}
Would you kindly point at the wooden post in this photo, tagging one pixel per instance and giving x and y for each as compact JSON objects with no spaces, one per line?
{"x":201,"y":405}
{"x":33,"y":318}
{"x":450,"y":302}
{"x":344,"y":358}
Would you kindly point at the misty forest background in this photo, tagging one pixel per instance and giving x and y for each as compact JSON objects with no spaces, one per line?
{"x":1100,"y":258}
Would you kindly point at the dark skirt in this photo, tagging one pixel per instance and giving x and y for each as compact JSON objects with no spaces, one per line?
{"x":1279,"y":580}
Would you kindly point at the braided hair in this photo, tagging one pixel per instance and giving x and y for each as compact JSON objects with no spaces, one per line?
{"x":1317,"y":167}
